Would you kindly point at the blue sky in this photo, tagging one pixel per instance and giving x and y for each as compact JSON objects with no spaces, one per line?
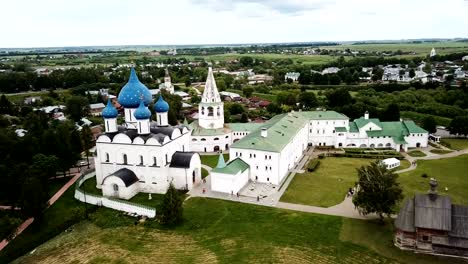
{"x":52,"y":23}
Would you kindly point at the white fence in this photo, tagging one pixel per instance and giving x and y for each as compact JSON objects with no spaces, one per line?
{"x":98,"y":200}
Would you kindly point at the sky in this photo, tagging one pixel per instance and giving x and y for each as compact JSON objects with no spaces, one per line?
{"x":59,"y":23}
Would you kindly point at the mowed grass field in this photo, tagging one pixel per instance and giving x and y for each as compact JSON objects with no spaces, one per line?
{"x":456,"y":143}
{"x":449,"y":172}
{"x":420,"y":49}
{"x":217,"y":231}
{"x":328,"y":185}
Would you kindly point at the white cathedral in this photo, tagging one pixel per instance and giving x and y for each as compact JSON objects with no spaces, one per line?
{"x":142,"y":155}
{"x":145,"y":156}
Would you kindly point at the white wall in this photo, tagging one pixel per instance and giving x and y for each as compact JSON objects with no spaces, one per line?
{"x":322,"y":132}
{"x":228,"y":183}
{"x":208,"y":143}
{"x":123,"y":191}
{"x":152,"y":179}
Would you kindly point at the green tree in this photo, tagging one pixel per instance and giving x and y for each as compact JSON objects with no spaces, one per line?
{"x":391,"y":113}
{"x":5,"y":105}
{"x":459,"y":125}
{"x":77,"y":107}
{"x":87,"y":140}
{"x":412,"y":73}
{"x":338,"y":97}
{"x":247,"y":91}
{"x":308,"y":100}
{"x":244,"y":118}
{"x":171,"y":210}
{"x":246,"y":61}
{"x":378,"y":190}
{"x":429,"y":124}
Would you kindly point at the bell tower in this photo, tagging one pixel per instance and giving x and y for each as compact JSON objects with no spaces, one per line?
{"x":211,"y":108}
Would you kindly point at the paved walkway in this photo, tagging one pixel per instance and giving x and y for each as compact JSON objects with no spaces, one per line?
{"x":8,"y":207}
{"x":51,"y":201}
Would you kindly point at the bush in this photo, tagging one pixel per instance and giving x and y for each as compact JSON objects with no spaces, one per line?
{"x":313,"y":165}
{"x":424,"y":175}
{"x":321,"y":156}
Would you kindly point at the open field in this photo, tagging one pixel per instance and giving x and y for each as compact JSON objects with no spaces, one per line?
{"x":456,"y":143}
{"x":212,"y":160}
{"x":328,"y":185}
{"x":449,"y":172}
{"x":217,"y":231}
{"x":421,"y":49}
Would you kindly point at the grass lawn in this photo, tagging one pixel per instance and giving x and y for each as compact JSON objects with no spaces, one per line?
{"x":416,"y":153}
{"x":56,"y":184}
{"x":212,"y":160}
{"x":449,"y":172}
{"x":217,"y":231}
{"x":440,"y":151}
{"x":89,"y":186}
{"x":404,"y":164}
{"x":456,"y":143}
{"x":328,"y":185}
{"x":62,"y":214}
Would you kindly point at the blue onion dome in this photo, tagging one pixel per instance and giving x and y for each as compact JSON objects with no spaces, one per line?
{"x":133,"y":92}
{"x":142,"y":112}
{"x":109,"y":111}
{"x":161,"y":106}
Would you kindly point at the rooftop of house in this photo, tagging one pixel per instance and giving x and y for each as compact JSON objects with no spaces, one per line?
{"x":233,"y":167}
{"x":280,"y":130}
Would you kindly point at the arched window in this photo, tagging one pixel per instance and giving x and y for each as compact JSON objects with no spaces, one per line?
{"x":155,"y":162}
{"x":107,"y":157}
{"x":167,"y":159}
{"x":210,"y":111}
{"x":115,"y":187}
{"x":216,"y":139}
{"x":218,"y":111}
{"x":388,"y":145}
{"x":141,"y":160}
{"x":194,"y":139}
{"x":203,"y":139}
{"x":124,"y":157}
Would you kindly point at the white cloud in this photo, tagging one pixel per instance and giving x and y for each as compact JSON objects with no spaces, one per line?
{"x":29,"y":23}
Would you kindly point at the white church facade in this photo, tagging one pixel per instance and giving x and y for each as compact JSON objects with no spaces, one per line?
{"x":142,"y":155}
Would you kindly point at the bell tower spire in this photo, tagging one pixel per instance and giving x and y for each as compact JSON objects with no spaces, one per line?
{"x":211,"y":108}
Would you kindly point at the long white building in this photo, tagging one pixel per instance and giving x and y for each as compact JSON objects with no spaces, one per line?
{"x":273,"y":149}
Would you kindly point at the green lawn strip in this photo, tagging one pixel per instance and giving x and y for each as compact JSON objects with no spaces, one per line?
{"x":449,"y":172}
{"x":89,"y":187}
{"x":455,"y":143}
{"x":62,"y":214}
{"x":416,"y":153}
{"x":404,"y":164}
{"x":57,"y":184}
{"x":229,"y":232}
{"x":328,"y":185}
{"x":212,"y":160}
{"x":440,"y":151}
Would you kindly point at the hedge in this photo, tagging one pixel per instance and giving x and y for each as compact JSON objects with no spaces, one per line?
{"x":313,"y":165}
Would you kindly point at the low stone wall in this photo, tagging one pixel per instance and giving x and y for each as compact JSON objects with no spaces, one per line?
{"x":110,"y":202}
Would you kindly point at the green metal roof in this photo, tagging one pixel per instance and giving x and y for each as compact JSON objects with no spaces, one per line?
{"x":323,"y":115}
{"x":221,"y":163}
{"x":353,"y":127}
{"x":197,"y":130}
{"x":360,"y":122}
{"x":281,"y":129}
{"x":391,"y":129}
{"x":244,"y":126}
{"x":233,"y":167}
{"x":413,"y":128}
{"x":341,"y":129}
